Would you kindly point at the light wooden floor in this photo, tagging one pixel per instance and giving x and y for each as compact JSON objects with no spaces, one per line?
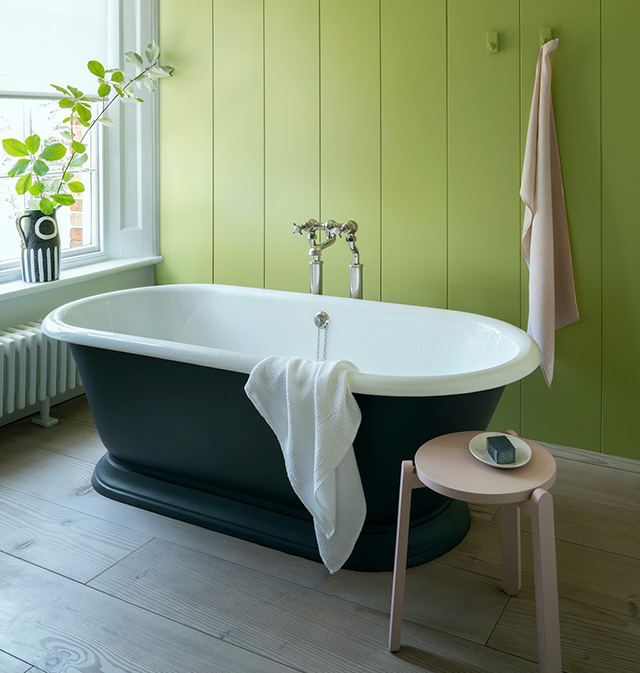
{"x":90,"y":585}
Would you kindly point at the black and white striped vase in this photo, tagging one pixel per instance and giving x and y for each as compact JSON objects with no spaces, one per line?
{"x":40,"y":246}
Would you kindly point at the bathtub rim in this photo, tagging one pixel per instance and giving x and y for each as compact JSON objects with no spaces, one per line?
{"x":522,"y":364}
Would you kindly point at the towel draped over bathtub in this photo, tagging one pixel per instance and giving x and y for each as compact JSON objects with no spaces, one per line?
{"x":545,"y":237}
{"x":310,"y":408}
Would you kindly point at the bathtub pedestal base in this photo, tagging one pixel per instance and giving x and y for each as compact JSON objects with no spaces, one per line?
{"x":431,"y":535}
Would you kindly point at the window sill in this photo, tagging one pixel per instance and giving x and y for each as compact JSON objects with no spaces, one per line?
{"x":17,"y":288}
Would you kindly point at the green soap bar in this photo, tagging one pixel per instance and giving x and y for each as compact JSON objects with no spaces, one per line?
{"x":501,"y":450}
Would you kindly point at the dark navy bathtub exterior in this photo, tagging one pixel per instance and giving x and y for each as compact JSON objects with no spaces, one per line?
{"x":185,"y":441}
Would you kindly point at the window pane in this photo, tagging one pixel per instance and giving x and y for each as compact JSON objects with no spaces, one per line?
{"x":26,"y":29}
{"x":10,"y":203}
{"x":77,"y":223}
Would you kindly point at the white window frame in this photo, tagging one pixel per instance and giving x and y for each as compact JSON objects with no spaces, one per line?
{"x":128,"y":155}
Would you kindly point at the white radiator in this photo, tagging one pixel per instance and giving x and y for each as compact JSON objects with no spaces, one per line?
{"x":33,"y":369}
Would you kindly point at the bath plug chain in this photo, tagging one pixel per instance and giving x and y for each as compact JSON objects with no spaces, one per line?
{"x":321,"y":320}
{"x":323,"y":331}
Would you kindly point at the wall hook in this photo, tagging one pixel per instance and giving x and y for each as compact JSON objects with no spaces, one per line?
{"x":546,"y":34}
{"x":493,"y":43}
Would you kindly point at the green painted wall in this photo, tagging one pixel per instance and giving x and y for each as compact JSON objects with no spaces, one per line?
{"x":392,"y":113}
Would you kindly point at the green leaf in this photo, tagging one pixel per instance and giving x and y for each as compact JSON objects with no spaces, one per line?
{"x":119,"y":90}
{"x":140,"y":100}
{"x":134,"y":59}
{"x":19,"y":167}
{"x":76,"y":93}
{"x":158,"y":72}
{"x":46,"y":206}
{"x":32,"y":143}
{"x":53,"y":152}
{"x":15,"y":148}
{"x":64,"y":199}
{"x":61,"y":89}
{"x":67,"y":176}
{"x":40,"y":168}
{"x":150,"y":83}
{"x":118,"y":76}
{"x":65,"y":103}
{"x":96,"y":68}
{"x":103,"y":90}
{"x":78,"y":160}
{"x":24,"y":183}
{"x":76,"y":187}
{"x":36,"y":188}
{"x":64,"y":121}
{"x":83,"y":112}
{"x":167,"y":69}
{"x":78,"y":147}
{"x":106,"y":121}
{"x":152,"y":52}
{"x":65,"y":133}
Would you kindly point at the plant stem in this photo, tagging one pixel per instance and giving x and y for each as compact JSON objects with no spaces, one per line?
{"x":93,"y":123}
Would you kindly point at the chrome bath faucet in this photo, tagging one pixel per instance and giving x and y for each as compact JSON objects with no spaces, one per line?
{"x":331,"y":231}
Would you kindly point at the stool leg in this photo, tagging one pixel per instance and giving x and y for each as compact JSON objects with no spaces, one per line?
{"x":540,"y":508}
{"x":408,"y":481}
{"x":511,"y":566}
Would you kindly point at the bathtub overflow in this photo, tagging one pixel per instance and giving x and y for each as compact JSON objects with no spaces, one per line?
{"x":321,"y":319}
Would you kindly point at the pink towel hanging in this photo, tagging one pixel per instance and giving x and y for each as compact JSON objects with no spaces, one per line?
{"x":545,"y":236}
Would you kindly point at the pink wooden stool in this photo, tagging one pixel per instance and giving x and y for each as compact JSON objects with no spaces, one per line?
{"x":446,"y":465}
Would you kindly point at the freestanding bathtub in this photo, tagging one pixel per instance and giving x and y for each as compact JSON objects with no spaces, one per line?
{"x":164,"y":370}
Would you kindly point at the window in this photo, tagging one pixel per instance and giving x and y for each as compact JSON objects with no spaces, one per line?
{"x":78,"y":224}
{"x":112,"y":218}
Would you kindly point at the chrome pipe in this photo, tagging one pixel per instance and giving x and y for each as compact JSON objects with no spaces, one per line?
{"x":315,"y":275}
{"x":355,"y":281}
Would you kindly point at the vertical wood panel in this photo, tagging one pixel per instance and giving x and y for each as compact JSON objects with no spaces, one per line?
{"x":570,"y":412}
{"x":484,"y":166}
{"x":620,"y":230}
{"x":186,"y":172}
{"x":238,"y":159}
{"x":414,"y":145}
{"x":292,"y":138}
{"x":351,"y":113}
{"x":350,"y":136}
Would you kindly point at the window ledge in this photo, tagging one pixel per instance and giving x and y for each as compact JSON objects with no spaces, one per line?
{"x":78,"y":274}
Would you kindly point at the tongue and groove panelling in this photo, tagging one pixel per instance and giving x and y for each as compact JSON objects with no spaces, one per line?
{"x":392,"y":113}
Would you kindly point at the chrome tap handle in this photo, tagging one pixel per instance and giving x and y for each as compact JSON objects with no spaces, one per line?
{"x":308,"y":226}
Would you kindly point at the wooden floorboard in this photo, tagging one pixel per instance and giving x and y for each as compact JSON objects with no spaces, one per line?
{"x":9,"y":664}
{"x":295,"y":625}
{"x":612,"y":580}
{"x":76,"y":408}
{"x":593,"y":458}
{"x":593,"y":640}
{"x":61,"y":626}
{"x":595,"y":525}
{"x":89,"y":584}
{"x":59,"y":539}
{"x":609,"y":486}
{"x":69,"y":437}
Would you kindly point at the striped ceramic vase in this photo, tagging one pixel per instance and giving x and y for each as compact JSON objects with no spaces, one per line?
{"x":40,"y":246}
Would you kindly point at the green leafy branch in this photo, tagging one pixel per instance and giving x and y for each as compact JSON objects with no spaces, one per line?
{"x":33,"y":165}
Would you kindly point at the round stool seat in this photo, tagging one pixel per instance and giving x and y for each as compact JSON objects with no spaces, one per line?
{"x":445,"y":464}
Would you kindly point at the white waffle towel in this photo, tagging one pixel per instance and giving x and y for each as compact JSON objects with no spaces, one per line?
{"x":310,"y":408}
{"x":545,"y":236}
